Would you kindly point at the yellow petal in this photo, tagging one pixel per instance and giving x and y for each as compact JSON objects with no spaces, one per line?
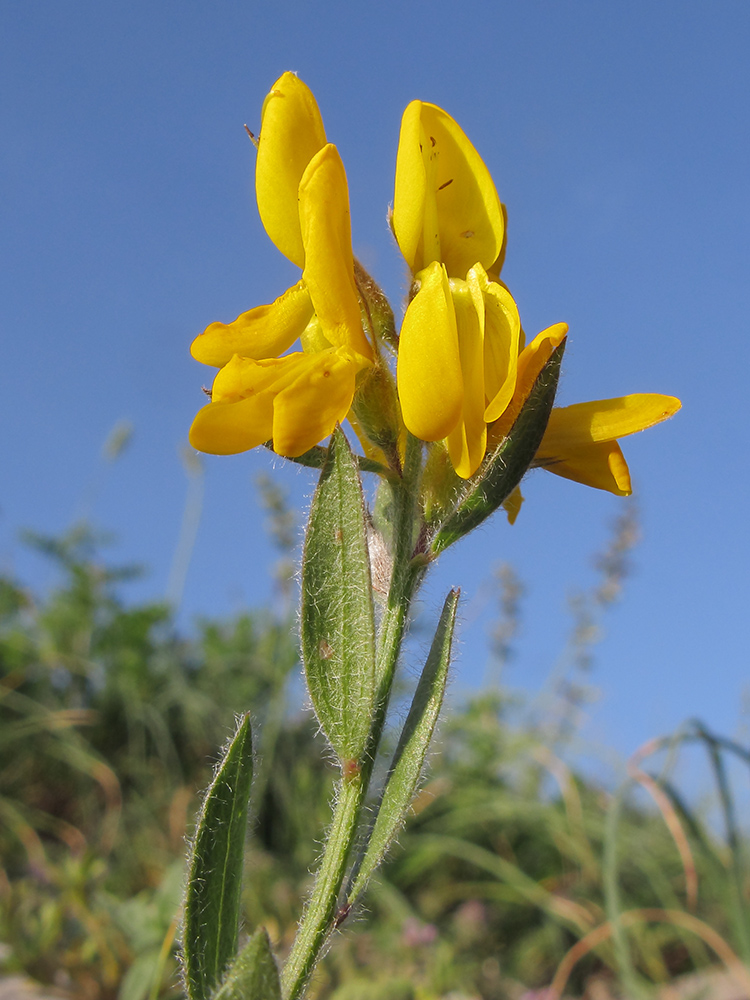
{"x":445,"y":205}
{"x":263,"y":332}
{"x":530,"y":363}
{"x":312,"y":337}
{"x":512,"y":505}
{"x":501,"y":342}
{"x":411,"y":190}
{"x":496,"y":268}
{"x":229,"y":428}
{"x":605,"y":420}
{"x":296,"y":399}
{"x":467,"y":441}
{"x":430,"y":386}
{"x":242,"y":377}
{"x":307,"y":410}
{"x":329,"y":263}
{"x":600,"y":464}
{"x":291,"y":134}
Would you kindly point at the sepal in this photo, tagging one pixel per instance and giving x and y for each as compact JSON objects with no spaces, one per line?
{"x":378,"y":308}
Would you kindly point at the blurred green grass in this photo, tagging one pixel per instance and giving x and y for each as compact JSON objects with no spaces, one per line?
{"x":517,"y":871}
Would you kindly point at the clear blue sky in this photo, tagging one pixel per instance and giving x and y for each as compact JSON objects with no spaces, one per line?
{"x":618,"y":135}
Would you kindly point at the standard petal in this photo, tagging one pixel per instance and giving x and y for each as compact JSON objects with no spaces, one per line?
{"x":291,"y":134}
{"x":461,"y":212}
{"x":467,"y":441}
{"x":263,"y":332}
{"x":329,"y":263}
{"x":320,"y":397}
{"x":605,"y":420}
{"x":599,"y":464}
{"x":429,"y":367}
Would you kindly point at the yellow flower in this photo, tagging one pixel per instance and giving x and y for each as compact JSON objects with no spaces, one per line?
{"x":461,"y":331}
{"x":460,"y":375}
{"x":457,"y":361}
{"x":261,"y":392}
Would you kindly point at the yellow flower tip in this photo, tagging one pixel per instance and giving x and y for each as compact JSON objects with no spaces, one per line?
{"x":207,"y":346}
{"x":445,"y":205}
{"x":466,"y":454}
{"x":291,"y":134}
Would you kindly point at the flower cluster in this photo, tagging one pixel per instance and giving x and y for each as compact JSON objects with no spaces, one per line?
{"x":262,"y":393}
{"x":464,"y":370}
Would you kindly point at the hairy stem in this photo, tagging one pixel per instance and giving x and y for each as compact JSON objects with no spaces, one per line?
{"x":321,"y":915}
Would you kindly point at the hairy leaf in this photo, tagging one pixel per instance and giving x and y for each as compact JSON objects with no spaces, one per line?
{"x":338,"y":628}
{"x":212,"y":900}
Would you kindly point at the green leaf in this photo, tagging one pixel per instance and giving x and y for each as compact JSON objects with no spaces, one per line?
{"x":212,"y":900}
{"x":337,"y":621}
{"x":254,"y":975}
{"x":413,"y":743}
{"x":505,"y":469}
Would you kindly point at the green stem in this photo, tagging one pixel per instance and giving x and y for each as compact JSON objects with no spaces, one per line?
{"x":320,"y":917}
{"x":406,"y":576}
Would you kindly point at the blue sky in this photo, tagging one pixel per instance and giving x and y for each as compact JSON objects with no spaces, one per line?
{"x":619,"y":138}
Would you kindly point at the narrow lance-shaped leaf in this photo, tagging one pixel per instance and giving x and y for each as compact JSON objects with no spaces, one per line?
{"x":254,"y":975}
{"x":338,"y":626}
{"x":413,"y":743}
{"x":507,"y":466}
{"x":212,"y":900}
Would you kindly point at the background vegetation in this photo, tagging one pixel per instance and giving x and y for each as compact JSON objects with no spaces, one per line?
{"x":517,"y":872}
